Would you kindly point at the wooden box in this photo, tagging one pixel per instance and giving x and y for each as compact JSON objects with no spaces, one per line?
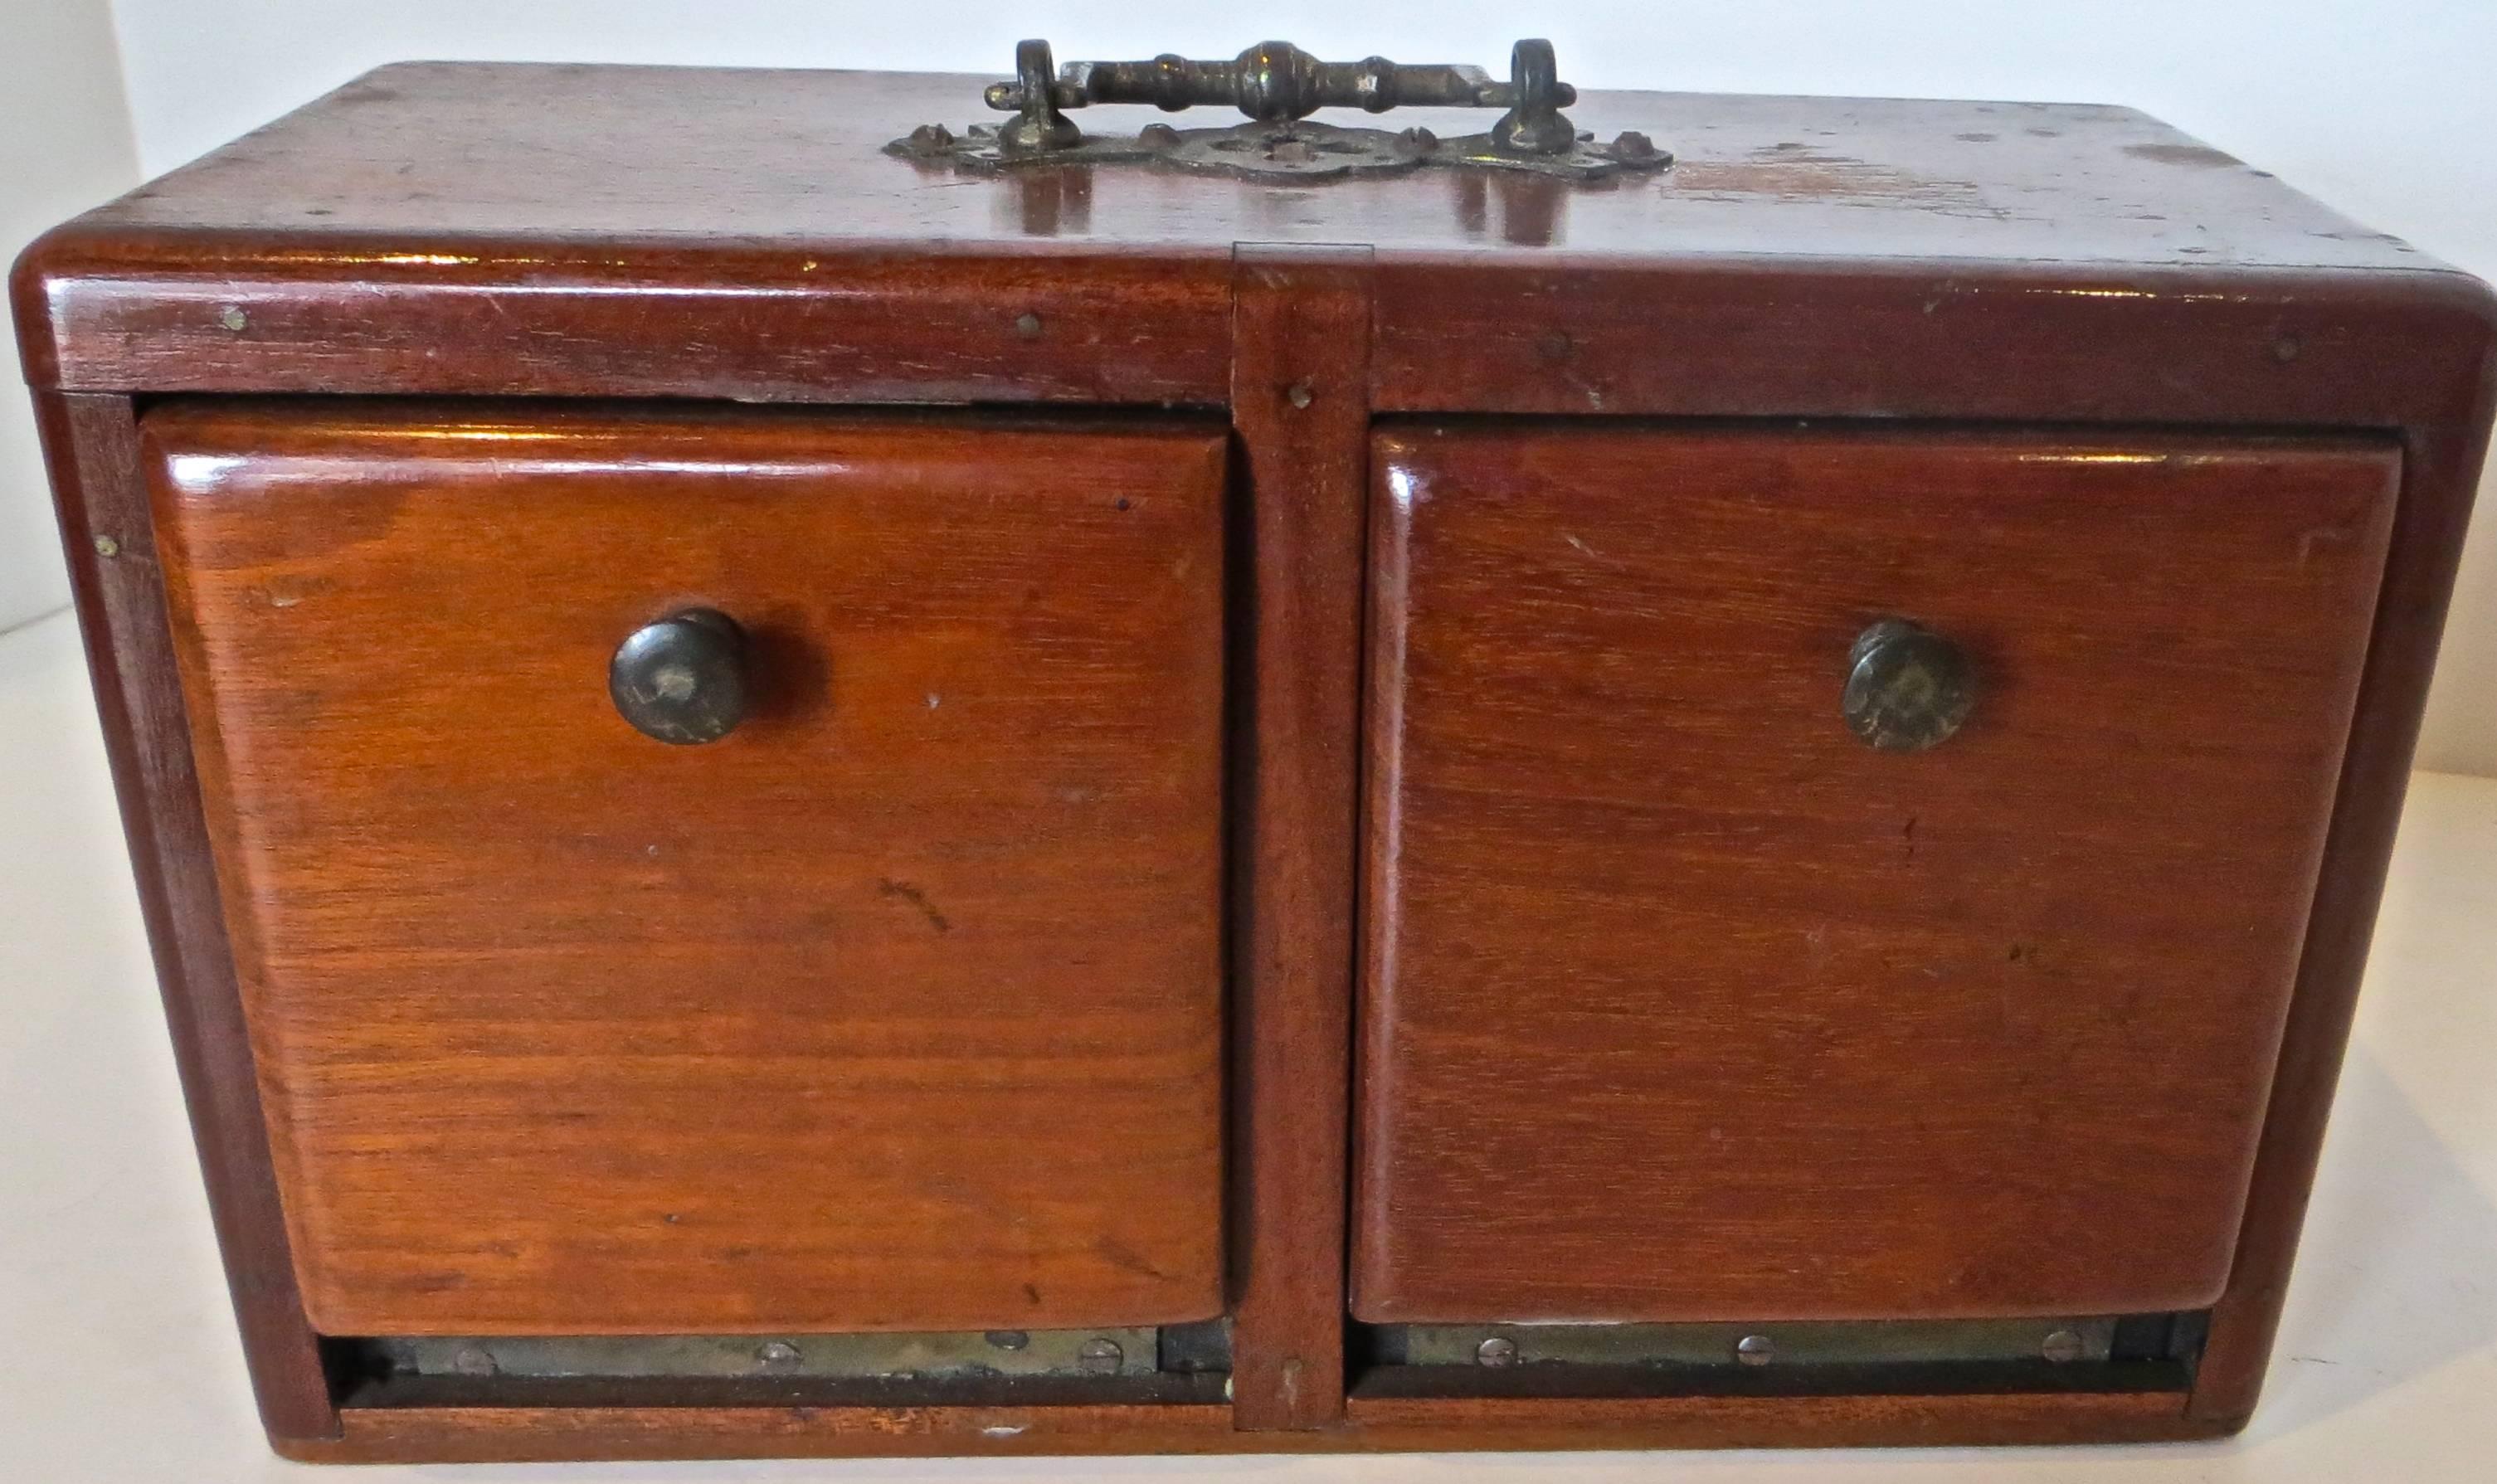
{"x":802,"y":798}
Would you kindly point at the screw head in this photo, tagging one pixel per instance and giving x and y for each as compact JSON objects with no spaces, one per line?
{"x":1027,"y":325}
{"x":1099,"y":1356}
{"x":1003,"y":1340}
{"x":2061,"y":1346}
{"x":1498,"y":1350}
{"x":1756,"y":1350}
{"x":776,"y":1355}
{"x":232,"y":318}
{"x":105,"y":546}
{"x":474,"y":1360}
{"x":1299,"y":394}
{"x":1157,"y":136}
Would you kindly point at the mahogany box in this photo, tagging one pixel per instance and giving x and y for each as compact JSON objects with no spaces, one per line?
{"x":1702,"y":770}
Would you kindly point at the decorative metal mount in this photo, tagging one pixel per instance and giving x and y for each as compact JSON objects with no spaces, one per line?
{"x":1278,"y":85}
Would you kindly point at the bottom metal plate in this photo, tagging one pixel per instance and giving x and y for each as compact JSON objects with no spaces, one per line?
{"x":1852,"y":1342}
{"x":1102,"y":1352}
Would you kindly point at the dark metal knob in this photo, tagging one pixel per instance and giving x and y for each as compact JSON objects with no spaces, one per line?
{"x":682,"y":679}
{"x":1907,"y":688}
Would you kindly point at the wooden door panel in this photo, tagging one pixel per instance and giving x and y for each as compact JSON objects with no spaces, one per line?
{"x":896,"y":1008}
{"x":1681,"y":1003}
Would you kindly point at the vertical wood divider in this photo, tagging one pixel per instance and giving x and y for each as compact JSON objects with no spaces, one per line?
{"x":1300,"y":406}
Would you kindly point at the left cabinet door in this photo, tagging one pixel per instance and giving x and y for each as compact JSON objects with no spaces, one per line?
{"x":895,"y":1007}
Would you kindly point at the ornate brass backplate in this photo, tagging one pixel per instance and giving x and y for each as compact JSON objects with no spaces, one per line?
{"x":1278,"y":85}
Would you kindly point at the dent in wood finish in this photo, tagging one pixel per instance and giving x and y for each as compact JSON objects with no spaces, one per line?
{"x":1300,"y":375}
{"x":91,"y":444}
{"x":896,"y":1008}
{"x":1719,"y":1014}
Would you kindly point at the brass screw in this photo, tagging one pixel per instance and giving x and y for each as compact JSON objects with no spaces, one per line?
{"x":1756,"y":1350}
{"x":2061,"y":1346}
{"x":1498,"y":1350}
{"x":1101,"y":1356}
{"x":105,"y":546}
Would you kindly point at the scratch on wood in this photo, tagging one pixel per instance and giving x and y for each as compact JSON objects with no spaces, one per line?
{"x":903,"y":891}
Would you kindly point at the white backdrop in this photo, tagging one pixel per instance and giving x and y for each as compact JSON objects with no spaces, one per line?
{"x":64,"y":145}
{"x":2386,"y":109}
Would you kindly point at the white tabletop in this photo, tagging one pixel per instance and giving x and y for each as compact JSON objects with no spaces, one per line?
{"x":117,"y":1352}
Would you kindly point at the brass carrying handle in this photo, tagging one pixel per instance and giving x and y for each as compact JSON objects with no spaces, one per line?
{"x":1276,"y":81}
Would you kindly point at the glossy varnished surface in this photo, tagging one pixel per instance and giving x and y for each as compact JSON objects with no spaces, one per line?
{"x":581,"y":231}
{"x":898,"y":1008}
{"x":1675,"y":985}
{"x":572,"y":154}
{"x":1303,"y":346}
{"x":607,"y":233}
{"x":475,"y":1434}
{"x":92,"y":446}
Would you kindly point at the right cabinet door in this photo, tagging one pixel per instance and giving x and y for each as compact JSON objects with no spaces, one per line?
{"x":1826,"y":874}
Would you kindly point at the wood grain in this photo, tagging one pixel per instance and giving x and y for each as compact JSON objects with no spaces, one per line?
{"x":482,"y":229}
{"x":600,"y":232}
{"x":2441,"y":470}
{"x":898,"y":1008}
{"x":528,"y":317}
{"x":1776,"y":1422}
{"x":1722,"y":1015}
{"x":92,"y":446}
{"x":1801,"y":335}
{"x":1301,"y":337}
{"x":649,"y":157}
{"x":1375,"y":1425}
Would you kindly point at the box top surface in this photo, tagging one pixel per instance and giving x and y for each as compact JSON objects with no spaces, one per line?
{"x":486,"y":229}
{"x":432,"y":154}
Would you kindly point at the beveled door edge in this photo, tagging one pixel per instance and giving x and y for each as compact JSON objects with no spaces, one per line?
{"x":2439,"y":476}
{"x":91,"y":443}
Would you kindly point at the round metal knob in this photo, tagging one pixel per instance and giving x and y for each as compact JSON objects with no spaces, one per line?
{"x":682,"y":679}
{"x":1907,"y":688}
